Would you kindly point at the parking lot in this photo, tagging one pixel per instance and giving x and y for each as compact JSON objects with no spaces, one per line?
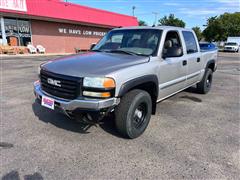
{"x":192,"y":136}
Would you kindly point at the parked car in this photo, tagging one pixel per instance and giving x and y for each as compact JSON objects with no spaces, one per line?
{"x":127,"y":73}
{"x":204,"y":46}
{"x":231,"y":47}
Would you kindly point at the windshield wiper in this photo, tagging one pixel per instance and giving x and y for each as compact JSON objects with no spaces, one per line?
{"x":128,"y":52}
{"x":96,"y":50}
{"x":121,"y":51}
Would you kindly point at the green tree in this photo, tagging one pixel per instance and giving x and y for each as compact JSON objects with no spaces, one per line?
{"x":171,"y":20}
{"x":198,"y":32}
{"x":142,"y":23}
{"x":218,"y":28}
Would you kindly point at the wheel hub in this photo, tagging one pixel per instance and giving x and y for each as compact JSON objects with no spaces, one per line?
{"x":208,"y":82}
{"x":138,"y":113}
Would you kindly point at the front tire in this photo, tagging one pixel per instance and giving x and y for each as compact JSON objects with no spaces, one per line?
{"x":133,"y":114}
{"x":205,"y":85}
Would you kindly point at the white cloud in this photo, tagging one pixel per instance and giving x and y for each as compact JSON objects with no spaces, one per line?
{"x":197,"y":12}
{"x":171,"y":4}
{"x":208,"y":11}
{"x":232,"y":3}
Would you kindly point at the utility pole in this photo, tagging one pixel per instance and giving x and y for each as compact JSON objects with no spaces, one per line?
{"x":156,"y":16}
{"x":133,"y":10}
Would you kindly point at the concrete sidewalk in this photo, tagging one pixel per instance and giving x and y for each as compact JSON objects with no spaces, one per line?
{"x":229,"y":54}
{"x":35,"y":55}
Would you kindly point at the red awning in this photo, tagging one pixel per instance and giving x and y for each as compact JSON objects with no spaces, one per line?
{"x":59,"y":10}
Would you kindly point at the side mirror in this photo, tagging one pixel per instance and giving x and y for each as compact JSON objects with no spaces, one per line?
{"x":173,"y":52}
{"x":92,"y":46}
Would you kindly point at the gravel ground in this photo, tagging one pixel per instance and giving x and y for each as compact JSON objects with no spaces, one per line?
{"x":192,"y":136}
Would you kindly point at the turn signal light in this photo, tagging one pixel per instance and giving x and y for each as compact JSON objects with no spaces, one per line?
{"x":97,"y":94}
{"x":109,"y":83}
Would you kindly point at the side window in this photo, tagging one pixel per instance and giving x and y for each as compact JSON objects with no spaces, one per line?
{"x":113,"y":43}
{"x":172,"y":45}
{"x":190,"y":41}
{"x":117,"y":38}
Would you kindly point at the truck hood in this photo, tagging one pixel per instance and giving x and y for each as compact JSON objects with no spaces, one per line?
{"x":92,"y":64}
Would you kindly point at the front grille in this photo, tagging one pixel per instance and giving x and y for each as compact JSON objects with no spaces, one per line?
{"x":228,"y":47}
{"x":70,"y":86}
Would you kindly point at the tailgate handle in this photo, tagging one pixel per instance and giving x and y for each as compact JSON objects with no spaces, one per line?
{"x":184,"y":63}
{"x":198,"y":59}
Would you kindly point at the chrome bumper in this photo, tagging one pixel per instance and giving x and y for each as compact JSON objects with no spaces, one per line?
{"x":71,"y":105}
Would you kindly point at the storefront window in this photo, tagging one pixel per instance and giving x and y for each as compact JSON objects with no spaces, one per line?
{"x":17,"y":32}
{"x":11,"y":31}
{"x":24,"y":32}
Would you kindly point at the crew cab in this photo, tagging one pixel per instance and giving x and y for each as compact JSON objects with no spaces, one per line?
{"x":127,"y":73}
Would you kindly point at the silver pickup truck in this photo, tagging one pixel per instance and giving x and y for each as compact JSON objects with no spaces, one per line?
{"x":127,"y":73}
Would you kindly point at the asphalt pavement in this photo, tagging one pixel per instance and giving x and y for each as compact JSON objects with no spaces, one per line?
{"x":192,"y":136}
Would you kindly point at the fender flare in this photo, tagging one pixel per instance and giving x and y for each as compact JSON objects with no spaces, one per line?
{"x":210,"y":62}
{"x":138,"y":81}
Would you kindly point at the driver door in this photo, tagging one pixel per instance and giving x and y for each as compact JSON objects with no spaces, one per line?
{"x":173,"y":69}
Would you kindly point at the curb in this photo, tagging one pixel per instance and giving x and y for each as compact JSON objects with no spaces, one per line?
{"x":36,"y":55}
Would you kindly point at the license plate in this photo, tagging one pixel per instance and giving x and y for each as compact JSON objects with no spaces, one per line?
{"x":48,"y":102}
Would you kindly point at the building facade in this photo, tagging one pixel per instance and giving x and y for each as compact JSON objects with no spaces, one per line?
{"x":59,"y":26}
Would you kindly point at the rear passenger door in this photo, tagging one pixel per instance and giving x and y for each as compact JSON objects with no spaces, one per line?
{"x":193,"y":56}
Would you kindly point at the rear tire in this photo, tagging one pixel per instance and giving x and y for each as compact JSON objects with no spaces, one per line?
{"x":205,"y":84}
{"x":133,"y":114}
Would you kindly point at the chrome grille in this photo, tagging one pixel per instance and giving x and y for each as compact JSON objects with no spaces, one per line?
{"x":67,"y":88}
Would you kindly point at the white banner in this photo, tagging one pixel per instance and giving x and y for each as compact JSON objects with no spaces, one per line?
{"x":17,"y":5}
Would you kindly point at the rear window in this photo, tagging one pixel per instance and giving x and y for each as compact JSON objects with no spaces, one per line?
{"x":190,"y":42}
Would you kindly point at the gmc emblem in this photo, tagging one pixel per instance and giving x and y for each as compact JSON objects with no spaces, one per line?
{"x":54,"y":82}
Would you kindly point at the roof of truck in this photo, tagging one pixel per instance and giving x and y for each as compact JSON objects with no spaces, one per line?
{"x":155,"y":27}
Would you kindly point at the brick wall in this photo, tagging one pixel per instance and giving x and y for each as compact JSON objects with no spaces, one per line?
{"x":64,"y":38}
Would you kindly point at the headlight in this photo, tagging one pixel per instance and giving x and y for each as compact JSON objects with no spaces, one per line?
{"x":98,"y":87}
{"x":104,"y":83}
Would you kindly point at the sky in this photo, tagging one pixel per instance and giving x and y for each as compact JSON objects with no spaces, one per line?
{"x":192,"y":12}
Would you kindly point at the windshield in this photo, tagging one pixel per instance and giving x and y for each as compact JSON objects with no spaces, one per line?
{"x":132,"y":41}
{"x":231,"y":44}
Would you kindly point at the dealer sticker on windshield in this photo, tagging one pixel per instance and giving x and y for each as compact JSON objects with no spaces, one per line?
{"x":48,"y":102}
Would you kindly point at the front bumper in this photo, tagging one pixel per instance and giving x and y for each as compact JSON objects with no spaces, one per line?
{"x":230,"y":50}
{"x":83,"y":103}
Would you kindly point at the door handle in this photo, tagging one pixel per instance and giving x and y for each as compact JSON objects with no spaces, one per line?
{"x":184,"y":63}
{"x":198,"y":59}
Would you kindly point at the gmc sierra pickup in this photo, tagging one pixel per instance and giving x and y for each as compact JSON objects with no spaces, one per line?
{"x":127,"y":73}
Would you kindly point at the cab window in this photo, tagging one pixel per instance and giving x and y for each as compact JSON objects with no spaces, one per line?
{"x":190,"y":42}
{"x":172,"y":45}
